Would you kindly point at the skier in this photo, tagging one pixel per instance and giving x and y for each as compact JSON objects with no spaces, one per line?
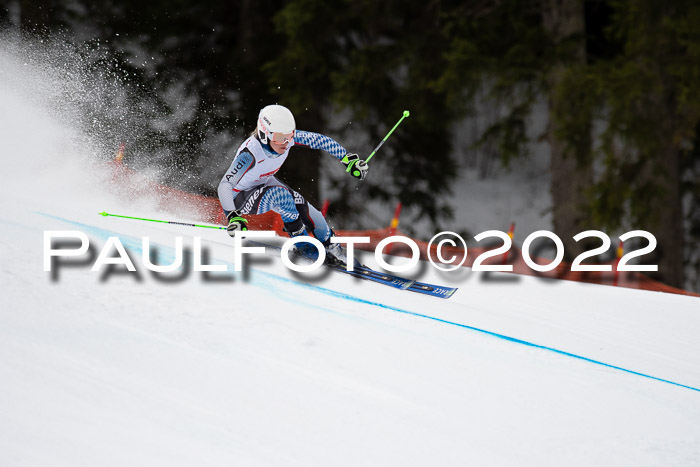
{"x":250,"y":186}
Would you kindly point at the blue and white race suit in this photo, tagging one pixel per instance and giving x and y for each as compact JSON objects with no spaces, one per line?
{"x":250,"y":186}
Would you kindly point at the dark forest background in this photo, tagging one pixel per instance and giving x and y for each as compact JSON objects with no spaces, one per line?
{"x":621,"y":79}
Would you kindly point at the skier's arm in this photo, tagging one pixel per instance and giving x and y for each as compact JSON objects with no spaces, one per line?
{"x":318,"y":141}
{"x":353,"y":164}
{"x":227,"y":191}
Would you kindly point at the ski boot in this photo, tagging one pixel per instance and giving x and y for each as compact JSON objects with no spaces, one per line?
{"x":335,"y":254}
{"x":302,"y":249}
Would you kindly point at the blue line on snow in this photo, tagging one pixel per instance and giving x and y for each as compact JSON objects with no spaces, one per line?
{"x":345,"y":296}
{"x":102,"y":232}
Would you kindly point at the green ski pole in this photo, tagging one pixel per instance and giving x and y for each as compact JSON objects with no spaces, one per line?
{"x":406,"y":113}
{"x":164,"y":222}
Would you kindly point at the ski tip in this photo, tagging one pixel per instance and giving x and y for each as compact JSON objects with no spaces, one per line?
{"x":443,"y":293}
{"x":433,"y":290}
{"x":103,"y":213}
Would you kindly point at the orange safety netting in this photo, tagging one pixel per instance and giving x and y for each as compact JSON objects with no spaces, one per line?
{"x":209,"y":210}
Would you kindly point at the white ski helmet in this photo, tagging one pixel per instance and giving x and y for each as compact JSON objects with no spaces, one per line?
{"x":274,"y":119}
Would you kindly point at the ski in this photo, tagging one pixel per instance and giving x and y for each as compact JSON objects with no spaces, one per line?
{"x":433,"y":290}
{"x":361,"y":271}
{"x":416,"y":286}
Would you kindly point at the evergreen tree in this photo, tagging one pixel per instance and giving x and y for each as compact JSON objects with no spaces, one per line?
{"x":372,"y":60}
{"x":647,"y":99}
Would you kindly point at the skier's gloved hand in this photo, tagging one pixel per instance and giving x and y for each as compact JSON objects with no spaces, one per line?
{"x":236,"y":223}
{"x":355,"y":166}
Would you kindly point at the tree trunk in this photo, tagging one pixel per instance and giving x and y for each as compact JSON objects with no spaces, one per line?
{"x":667,"y":220}
{"x":570,"y":213}
{"x":571,"y":172}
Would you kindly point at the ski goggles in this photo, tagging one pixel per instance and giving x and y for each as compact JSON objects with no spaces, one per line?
{"x":282,"y":138}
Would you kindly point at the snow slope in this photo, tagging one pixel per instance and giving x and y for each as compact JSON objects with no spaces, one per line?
{"x":268,"y":368}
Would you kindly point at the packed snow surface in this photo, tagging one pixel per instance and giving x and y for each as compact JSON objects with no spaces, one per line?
{"x":266,"y":367}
